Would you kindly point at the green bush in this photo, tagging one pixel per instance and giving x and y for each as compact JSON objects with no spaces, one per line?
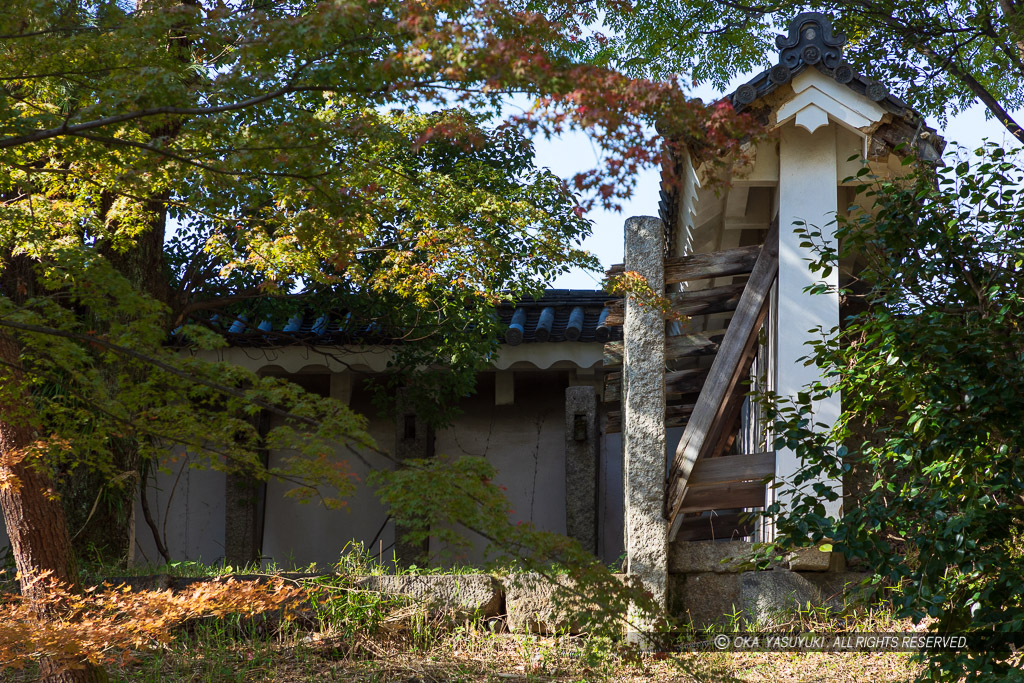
{"x":930,"y":368}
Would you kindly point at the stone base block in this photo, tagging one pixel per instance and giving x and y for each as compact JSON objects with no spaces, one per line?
{"x":470,"y":595}
{"x":706,"y":599}
{"x":842,"y":589}
{"x":766,"y":595}
{"x":719,"y":557}
{"x":809,"y":560}
{"x":530,"y":604}
{"x":759,"y":598}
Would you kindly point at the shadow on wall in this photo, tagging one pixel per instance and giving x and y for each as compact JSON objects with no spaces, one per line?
{"x":524,"y":441}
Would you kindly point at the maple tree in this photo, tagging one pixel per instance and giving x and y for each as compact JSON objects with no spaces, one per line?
{"x":169,"y":161}
{"x":101,"y":624}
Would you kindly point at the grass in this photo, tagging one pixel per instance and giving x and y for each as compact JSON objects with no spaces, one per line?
{"x":346,"y":633}
{"x":354,"y":559}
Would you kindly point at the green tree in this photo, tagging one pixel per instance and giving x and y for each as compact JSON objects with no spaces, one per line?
{"x":170,"y":160}
{"x":929,"y":369}
{"x":941,"y":57}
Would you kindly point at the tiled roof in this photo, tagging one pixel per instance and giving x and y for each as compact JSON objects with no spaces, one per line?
{"x":558,"y":315}
{"x":812,"y":43}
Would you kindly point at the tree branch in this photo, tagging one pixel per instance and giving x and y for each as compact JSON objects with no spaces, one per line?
{"x":131,"y":353}
{"x":66,"y":129}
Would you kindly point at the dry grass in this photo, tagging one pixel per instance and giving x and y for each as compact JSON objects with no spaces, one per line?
{"x":412,"y":651}
{"x":371,"y":637}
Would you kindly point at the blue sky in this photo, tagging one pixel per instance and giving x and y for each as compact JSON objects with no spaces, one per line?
{"x":573,"y":153}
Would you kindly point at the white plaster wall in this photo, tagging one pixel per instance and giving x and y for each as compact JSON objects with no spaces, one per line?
{"x":526,"y":444}
{"x":296,"y":534}
{"x":187,"y":505}
{"x":807,"y":192}
{"x":611,"y":513}
{"x":524,"y":441}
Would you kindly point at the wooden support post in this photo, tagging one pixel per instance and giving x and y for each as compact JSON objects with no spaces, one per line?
{"x":581,"y":458}
{"x":644,"y":417}
{"x":414,"y":438}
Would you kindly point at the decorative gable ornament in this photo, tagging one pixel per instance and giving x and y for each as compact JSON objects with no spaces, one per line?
{"x":811,"y":42}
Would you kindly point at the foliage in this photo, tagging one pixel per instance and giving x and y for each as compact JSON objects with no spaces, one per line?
{"x":632,"y":283}
{"x":941,"y":57}
{"x":463,"y":497}
{"x":354,"y":159}
{"x":171,"y":166}
{"x":929,"y":370}
{"x":100,"y":625}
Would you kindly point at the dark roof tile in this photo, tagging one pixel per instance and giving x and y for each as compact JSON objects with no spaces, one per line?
{"x":558,"y":315}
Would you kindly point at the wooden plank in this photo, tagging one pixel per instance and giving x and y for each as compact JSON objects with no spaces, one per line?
{"x":681,"y":346}
{"x":706,"y":425}
{"x":700,"y":302}
{"x":737,"y":261}
{"x":677,"y":383}
{"x":723,"y":497}
{"x":675,"y":416}
{"x":734,"y":525}
{"x":730,"y":469}
{"x":704,"y":266}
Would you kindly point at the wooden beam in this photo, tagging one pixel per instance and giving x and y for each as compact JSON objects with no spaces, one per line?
{"x":681,"y":346}
{"x":677,"y":382}
{"x":675,"y":416}
{"x":730,"y":419}
{"x":700,"y":302}
{"x":705,"y":426}
{"x":713,"y":264}
{"x":728,"y":525}
{"x":731,"y":469}
{"x":744,"y":495}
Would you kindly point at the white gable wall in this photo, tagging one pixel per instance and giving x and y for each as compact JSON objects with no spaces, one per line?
{"x":820,"y":128}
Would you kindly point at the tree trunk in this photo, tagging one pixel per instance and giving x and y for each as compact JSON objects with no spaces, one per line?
{"x":35,"y":520}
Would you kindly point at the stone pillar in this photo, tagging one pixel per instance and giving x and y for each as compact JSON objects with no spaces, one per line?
{"x":807,"y":192}
{"x":414,"y":438}
{"x":581,"y":457}
{"x":643,"y":416}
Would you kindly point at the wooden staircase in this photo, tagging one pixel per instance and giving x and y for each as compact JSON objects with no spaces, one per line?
{"x":706,"y":401}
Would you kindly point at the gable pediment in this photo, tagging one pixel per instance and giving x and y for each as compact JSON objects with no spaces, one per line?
{"x":818,"y":99}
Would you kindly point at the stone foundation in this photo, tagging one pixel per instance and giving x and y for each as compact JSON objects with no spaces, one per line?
{"x":711,"y":583}
{"x":714,"y":583}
